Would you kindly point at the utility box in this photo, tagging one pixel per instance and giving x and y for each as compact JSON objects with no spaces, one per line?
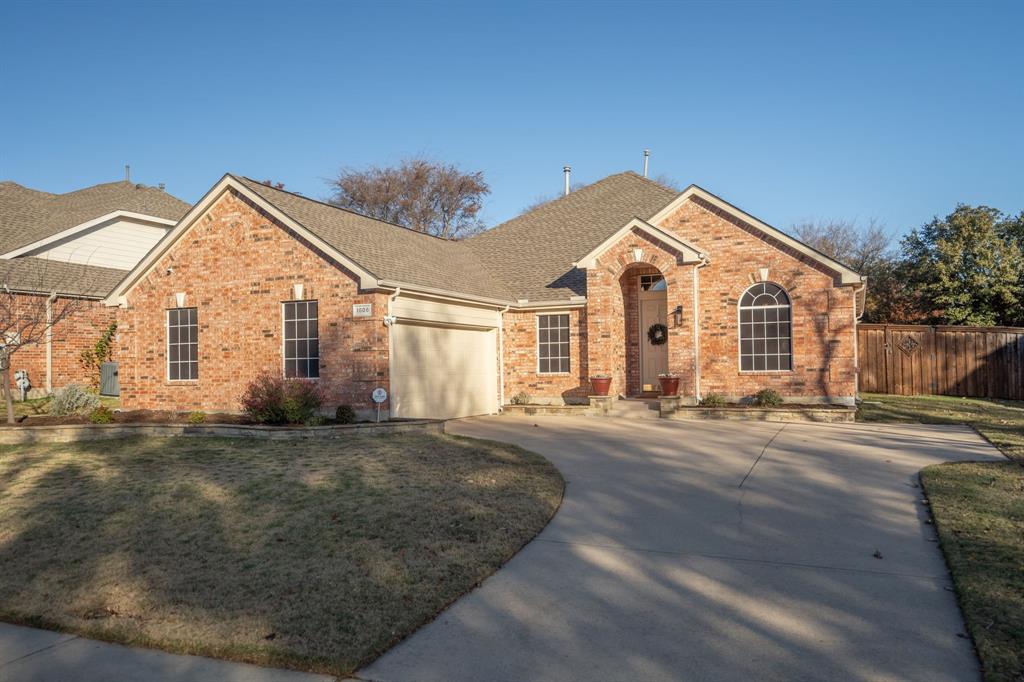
{"x":109,"y":383}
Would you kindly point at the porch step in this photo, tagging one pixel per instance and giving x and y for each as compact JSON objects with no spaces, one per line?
{"x":635,"y":409}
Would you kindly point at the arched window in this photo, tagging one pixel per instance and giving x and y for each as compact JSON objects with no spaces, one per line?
{"x":765,"y":332}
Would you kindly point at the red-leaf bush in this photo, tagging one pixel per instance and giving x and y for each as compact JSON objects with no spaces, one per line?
{"x":270,"y":399}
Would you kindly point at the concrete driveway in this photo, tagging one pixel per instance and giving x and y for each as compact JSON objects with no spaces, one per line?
{"x":713,"y":551}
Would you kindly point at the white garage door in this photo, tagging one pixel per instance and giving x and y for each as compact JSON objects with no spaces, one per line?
{"x":441,"y":372}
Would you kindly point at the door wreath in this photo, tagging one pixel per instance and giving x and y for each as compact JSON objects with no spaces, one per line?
{"x":657,"y":334}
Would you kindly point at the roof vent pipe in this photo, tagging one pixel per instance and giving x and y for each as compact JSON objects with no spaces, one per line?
{"x":647,"y":156}
{"x":127,"y":173}
{"x":567,"y":170}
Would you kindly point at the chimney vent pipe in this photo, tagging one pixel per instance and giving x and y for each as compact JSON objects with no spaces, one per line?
{"x":127,"y":173}
{"x":567,"y":170}
{"x":647,"y":156}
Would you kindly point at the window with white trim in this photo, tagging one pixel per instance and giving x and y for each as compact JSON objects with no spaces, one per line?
{"x":301,"y":340}
{"x":553,"y":343}
{"x":765,"y":329}
{"x":182,"y":344}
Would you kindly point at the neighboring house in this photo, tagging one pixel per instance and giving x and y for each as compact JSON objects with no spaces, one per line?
{"x":76,"y":245}
{"x":259,"y":279}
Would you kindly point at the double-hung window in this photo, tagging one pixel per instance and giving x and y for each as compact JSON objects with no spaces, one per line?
{"x":182,"y":344}
{"x":553,"y":343}
{"x":301,"y":340}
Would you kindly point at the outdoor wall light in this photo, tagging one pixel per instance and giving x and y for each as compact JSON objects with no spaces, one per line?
{"x":677,"y":316}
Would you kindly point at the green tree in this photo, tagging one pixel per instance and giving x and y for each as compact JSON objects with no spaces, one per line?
{"x":967,"y":268}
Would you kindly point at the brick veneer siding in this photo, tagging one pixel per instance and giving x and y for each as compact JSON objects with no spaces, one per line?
{"x":237,"y":265}
{"x":611,"y":310}
{"x":77,"y":332}
{"x":823,"y":327}
{"x":520,"y":350}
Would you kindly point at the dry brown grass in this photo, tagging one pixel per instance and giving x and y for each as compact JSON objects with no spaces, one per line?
{"x":315,"y":555}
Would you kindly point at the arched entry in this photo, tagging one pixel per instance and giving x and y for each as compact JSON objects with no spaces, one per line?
{"x":652,"y":306}
{"x":645,"y":313}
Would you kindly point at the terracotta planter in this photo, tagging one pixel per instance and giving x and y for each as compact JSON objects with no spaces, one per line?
{"x":601,"y":385}
{"x":669,"y":385}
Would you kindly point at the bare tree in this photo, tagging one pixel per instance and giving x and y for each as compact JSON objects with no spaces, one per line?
{"x":862,"y":248}
{"x":423,"y":195}
{"x":272,"y":183}
{"x":31,"y":309}
{"x":668,"y":182}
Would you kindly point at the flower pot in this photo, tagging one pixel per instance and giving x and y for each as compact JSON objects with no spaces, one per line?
{"x":601,"y":385}
{"x":669,"y":385}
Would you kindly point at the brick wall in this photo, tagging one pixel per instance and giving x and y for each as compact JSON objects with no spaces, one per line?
{"x":611,"y":311}
{"x":520,"y":349}
{"x":71,"y":336}
{"x":237,"y":265}
{"x":823,"y":326}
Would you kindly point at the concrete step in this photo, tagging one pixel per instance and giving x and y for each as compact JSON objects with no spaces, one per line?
{"x":635,"y":409}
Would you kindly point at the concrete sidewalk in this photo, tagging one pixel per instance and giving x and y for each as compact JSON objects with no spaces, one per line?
{"x":713,"y":551}
{"x":31,"y":655}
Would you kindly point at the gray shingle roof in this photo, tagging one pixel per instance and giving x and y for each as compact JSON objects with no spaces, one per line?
{"x":40,"y":275}
{"x":534,"y":252}
{"x":388,"y":251}
{"x":530,"y":256}
{"x":28,"y":215}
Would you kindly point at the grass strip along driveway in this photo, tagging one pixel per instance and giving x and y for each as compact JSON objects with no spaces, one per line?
{"x":315,"y":555}
{"x":979,"y":513}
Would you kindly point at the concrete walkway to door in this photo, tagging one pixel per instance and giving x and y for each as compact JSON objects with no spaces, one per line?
{"x":713,"y":551}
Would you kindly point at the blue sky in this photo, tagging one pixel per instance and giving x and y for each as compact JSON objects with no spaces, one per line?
{"x":791,"y":111}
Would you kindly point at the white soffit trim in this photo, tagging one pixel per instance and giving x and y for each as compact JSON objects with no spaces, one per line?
{"x":118,"y":296}
{"x":691,"y":254}
{"x":846,"y":275}
{"x":71,"y":231}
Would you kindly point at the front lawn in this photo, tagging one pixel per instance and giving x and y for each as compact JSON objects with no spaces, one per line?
{"x":978,"y":509}
{"x":316,"y":555}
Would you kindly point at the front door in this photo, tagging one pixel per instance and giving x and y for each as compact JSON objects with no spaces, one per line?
{"x":653,"y":304}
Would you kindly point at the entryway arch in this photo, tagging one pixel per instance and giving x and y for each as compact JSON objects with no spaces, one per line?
{"x":645,"y":314}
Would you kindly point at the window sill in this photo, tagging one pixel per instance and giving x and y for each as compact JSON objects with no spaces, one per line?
{"x":762,"y":372}
{"x":554,"y":374}
{"x":181,"y":382}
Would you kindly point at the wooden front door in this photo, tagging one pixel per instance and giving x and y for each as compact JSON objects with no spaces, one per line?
{"x":653,"y":307}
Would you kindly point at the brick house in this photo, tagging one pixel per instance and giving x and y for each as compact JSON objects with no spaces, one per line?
{"x":77,"y":245}
{"x":623,"y":278}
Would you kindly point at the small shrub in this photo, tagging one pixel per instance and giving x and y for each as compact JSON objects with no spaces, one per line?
{"x":73,"y":399}
{"x":196,"y":417}
{"x":345,"y":414}
{"x":521,"y":398}
{"x":316,"y":420}
{"x":767,"y":397}
{"x":713,"y":400}
{"x":101,"y":415}
{"x":272,"y":399}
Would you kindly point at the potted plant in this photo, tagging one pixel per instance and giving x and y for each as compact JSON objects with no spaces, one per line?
{"x":669,"y":384}
{"x":601,"y":383}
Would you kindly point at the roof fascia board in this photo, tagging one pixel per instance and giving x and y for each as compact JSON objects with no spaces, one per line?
{"x":119,"y":295}
{"x":691,"y":254}
{"x":445,"y":294}
{"x":71,"y":231}
{"x":846,"y":275}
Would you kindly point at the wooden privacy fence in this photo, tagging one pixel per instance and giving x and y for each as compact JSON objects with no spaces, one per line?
{"x":910,"y":359}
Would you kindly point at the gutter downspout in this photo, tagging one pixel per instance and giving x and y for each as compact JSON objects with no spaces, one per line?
{"x":696,"y":328}
{"x":856,"y":340}
{"x":389,"y":322}
{"x":501,"y":358}
{"x":49,"y":342}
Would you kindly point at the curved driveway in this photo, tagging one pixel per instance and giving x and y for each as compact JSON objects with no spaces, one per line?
{"x":713,"y":551}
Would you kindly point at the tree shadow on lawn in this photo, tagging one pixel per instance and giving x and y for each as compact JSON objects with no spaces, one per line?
{"x":315,"y":555}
